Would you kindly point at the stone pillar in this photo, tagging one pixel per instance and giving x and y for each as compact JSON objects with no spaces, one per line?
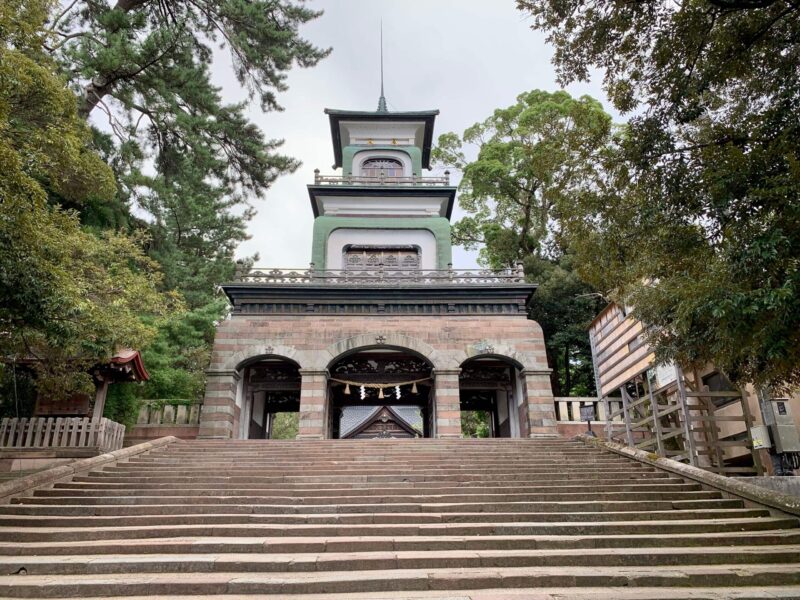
{"x":448,"y":404}
{"x":539,"y":404}
{"x":219,"y":406}
{"x":313,"y":397}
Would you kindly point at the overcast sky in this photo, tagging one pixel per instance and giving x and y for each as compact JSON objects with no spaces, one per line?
{"x":463,"y":57}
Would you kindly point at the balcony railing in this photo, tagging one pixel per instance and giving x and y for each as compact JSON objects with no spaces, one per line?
{"x":383,"y":276}
{"x":414,"y":180}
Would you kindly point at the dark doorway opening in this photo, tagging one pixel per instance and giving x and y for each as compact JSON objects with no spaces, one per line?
{"x":488,"y":393}
{"x":271,"y":399}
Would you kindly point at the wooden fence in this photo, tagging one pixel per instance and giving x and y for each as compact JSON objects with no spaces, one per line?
{"x":686,"y":424}
{"x":61,"y":432}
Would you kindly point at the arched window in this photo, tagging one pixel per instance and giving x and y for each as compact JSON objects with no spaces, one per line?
{"x":382,"y":167}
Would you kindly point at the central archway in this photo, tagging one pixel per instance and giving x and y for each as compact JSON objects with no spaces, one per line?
{"x":380,"y":392}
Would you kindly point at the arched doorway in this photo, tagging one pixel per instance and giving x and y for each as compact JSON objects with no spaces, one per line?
{"x":489,"y":393}
{"x":270,"y":399}
{"x":380,"y":392}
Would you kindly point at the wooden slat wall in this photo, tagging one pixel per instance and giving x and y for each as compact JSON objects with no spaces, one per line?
{"x":620,"y":351}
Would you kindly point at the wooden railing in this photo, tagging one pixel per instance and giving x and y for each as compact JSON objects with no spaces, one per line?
{"x":686,"y":425}
{"x":383,"y":276}
{"x":61,"y":432}
{"x":412,"y":180}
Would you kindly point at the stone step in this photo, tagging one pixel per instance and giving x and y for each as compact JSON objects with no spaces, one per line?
{"x":72,"y":489}
{"x":373,"y":475}
{"x":103,"y":564}
{"x":394,"y":580}
{"x":451,"y":461}
{"x":596,"y":476}
{"x":358,"y":449}
{"x":292,"y":509}
{"x":422,"y":444}
{"x":543,"y":593}
{"x":374,"y":518}
{"x":389,"y":519}
{"x":466,"y":471}
{"x":388,"y":461}
{"x":22,"y":534}
{"x":206,"y":545}
{"x":365,"y":499}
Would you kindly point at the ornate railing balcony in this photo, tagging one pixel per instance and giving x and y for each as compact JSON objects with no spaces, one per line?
{"x":386,"y":180}
{"x":382,"y":276}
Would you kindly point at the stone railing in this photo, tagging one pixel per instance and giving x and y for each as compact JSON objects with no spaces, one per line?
{"x":167,"y":412}
{"x":413,"y":180}
{"x":568,"y":409}
{"x":61,"y":432}
{"x":382,"y":275}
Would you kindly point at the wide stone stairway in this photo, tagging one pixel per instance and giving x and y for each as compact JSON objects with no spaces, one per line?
{"x":457,"y":519}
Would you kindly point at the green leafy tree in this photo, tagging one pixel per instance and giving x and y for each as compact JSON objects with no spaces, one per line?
{"x":475,"y":423}
{"x":531,"y":157}
{"x":67,"y":298}
{"x":188,"y":162}
{"x":285,"y":426}
{"x":696,"y":222}
{"x":564,"y":305}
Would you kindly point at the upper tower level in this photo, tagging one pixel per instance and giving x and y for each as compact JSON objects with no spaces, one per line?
{"x":381,"y":240}
{"x":359,"y":137}
{"x":382,"y":156}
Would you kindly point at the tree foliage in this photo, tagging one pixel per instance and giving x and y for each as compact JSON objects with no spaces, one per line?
{"x":475,"y":423}
{"x":564,"y":305}
{"x":144,"y":66}
{"x":285,"y":426}
{"x":530,"y":155}
{"x":188,"y":163}
{"x":696,"y":223}
{"x":67,"y":298}
{"x":531,"y":158}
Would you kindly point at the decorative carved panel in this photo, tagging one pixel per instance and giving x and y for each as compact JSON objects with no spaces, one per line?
{"x":382,"y":365}
{"x":364,"y":257}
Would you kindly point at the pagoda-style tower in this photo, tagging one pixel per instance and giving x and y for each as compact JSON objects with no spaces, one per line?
{"x":380,"y":318}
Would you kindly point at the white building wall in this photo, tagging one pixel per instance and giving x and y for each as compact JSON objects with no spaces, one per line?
{"x":340,"y":238}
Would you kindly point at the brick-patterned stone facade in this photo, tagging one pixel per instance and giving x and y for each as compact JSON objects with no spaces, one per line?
{"x":315,"y":341}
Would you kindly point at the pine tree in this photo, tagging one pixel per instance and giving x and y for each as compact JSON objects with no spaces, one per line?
{"x":188,"y":164}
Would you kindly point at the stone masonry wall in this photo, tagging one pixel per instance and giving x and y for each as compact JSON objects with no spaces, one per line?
{"x":315,"y":341}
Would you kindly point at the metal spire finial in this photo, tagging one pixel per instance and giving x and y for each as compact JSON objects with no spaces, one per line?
{"x":382,"y":100}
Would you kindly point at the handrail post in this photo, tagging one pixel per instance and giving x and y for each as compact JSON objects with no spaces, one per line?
{"x":520,"y":271}
{"x":627,"y":416}
{"x":656,"y":420}
{"x":687,"y":417}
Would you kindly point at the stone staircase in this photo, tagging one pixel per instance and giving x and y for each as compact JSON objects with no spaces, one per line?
{"x":475,"y":519}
